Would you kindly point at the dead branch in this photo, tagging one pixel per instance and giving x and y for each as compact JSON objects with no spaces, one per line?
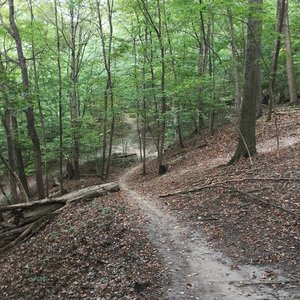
{"x":266,"y":283}
{"x":16,"y":178}
{"x":261,"y":179}
{"x":197,"y":189}
{"x":219,"y":185}
{"x":261,"y":201}
{"x":29,"y":218}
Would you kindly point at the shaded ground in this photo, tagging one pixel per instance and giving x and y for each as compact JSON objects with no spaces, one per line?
{"x":194,"y":269}
{"x":93,"y":250}
{"x":249,"y":212}
{"x":135,"y":245}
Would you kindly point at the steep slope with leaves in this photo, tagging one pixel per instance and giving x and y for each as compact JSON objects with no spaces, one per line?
{"x":106,"y":249}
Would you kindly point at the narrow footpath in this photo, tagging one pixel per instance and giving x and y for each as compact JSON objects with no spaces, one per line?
{"x":194,"y":270}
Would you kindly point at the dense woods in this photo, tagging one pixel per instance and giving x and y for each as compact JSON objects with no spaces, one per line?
{"x":73,"y":72}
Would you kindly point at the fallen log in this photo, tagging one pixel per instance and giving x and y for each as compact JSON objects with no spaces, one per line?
{"x":90,"y":192}
{"x":23,"y":220}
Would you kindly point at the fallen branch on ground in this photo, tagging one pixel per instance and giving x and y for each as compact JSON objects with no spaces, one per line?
{"x":29,"y":218}
{"x":220,"y":185}
{"x":265,"y":283}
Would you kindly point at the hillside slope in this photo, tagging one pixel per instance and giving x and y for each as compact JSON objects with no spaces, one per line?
{"x":106,"y":249}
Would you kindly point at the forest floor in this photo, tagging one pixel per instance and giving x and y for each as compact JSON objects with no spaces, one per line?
{"x":201,"y":231}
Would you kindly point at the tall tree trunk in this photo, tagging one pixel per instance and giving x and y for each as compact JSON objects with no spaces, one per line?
{"x":6,"y":120}
{"x":60,"y":111}
{"x":203,"y":51}
{"x":37,"y":96}
{"x":14,"y":32}
{"x":108,"y":93}
{"x":159,"y":31}
{"x":110,"y":7}
{"x":273,"y":71}
{"x":176,"y":114}
{"x":235,"y":71}
{"x":18,"y":152}
{"x":247,"y":139}
{"x":290,"y":68}
{"x":74,"y":95}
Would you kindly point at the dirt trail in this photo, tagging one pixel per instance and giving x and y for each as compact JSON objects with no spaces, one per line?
{"x":196,"y":271}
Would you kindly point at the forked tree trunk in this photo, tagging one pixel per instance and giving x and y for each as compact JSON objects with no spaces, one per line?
{"x":14,"y":32}
{"x":247,"y":140}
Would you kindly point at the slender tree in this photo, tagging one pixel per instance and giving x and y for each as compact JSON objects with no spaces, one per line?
{"x":60,"y":106}
{"x":247,"y":140}
{"x":291,"y":74}
{"x":235,"y":69}
{"x":13,"y":31}
{"x":158,"y":29}
{"x":108,"y":92}
{"x":274,"y":66}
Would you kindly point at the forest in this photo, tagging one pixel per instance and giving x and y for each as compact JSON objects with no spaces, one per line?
{"x":74,"y":72}
{"x":142,"y":137}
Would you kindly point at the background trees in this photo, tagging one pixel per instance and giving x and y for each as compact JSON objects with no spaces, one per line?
{"x":81,"y":69}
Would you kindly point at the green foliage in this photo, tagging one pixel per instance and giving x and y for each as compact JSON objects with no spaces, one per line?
{"x":135,"y":64}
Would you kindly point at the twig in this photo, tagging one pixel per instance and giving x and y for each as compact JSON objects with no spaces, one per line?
{"x":262,"y":179}
{"x":218,"y":185}
{"x":226,"y":181}
{"x":260,"y":200}
{"x":266,"y":283}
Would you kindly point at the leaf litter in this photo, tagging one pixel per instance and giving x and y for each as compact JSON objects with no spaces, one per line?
{"x":102,"y":249}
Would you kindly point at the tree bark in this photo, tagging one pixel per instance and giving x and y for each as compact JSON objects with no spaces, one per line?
{"x":19,"y":157}
{"x":289,"y":58}
{"x":37,"y":96}
{"x":27,"y":97}
{"x":247,"y":140}
{"x":159,"y":31}
{"x":274,"y":66}
{"x":235,"y":71}
{"x":60,"y":110}
{"x":6,"y":120}
{"x":74,"y":95}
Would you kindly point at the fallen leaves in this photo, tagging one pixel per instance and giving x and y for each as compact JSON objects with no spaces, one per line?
{"x":96,"y":250}
{"x":250,"y":212}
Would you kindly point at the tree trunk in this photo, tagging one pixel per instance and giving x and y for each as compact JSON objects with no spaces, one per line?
{"x":60,"y":111}
{"x":290,"y":68}
{"x":29,"y":110}
{"x":235,"y":71}
{"x":161,"y":108}
{"x":247,"y":140}
{"x":74,"y":96}
{"x":108,"y":93}
{"x":37,"y":96}
{"x":19,"y":157}
{"x":6,"y":120}
{"x":273,"y":72}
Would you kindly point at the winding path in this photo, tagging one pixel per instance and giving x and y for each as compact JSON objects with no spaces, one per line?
{"x":194,"y":270}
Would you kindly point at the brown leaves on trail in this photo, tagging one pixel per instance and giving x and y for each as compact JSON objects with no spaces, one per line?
{"x":252,"y":220}
{"x":95,"y":250}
